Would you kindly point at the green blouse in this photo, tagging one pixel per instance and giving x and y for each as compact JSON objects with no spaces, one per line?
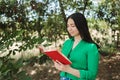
{"x":84,"y":57}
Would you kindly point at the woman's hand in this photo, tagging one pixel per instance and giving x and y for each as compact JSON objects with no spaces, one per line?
{"x":66,"y":68}
{"x":41,"y":48}
{"x":61,"y":67}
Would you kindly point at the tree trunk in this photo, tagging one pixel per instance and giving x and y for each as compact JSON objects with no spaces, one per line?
{"x":62,"y":10}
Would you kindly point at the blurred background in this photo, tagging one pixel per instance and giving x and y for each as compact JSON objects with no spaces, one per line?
{"x":25,"y":24}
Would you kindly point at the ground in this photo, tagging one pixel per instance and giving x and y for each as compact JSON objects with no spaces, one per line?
{"x":109,"y":69}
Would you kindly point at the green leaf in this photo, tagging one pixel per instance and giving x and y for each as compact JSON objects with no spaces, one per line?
{"x":19,"y":63}
{"x":1,"y":63}
{"x":5,"y":73}
{"x":22,"y":73}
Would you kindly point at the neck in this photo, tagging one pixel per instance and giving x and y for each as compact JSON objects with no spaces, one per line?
{"x":77,"y":38}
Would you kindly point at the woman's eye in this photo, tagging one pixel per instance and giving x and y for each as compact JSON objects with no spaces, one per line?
{"x":72,"y":26}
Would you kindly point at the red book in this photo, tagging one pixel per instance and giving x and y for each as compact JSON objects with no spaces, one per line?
{"x":57,"y":55}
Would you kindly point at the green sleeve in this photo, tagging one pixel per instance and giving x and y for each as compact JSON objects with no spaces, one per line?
{"x":93,"y":61}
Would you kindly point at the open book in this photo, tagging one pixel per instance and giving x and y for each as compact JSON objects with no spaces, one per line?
{"x":57,"y":55}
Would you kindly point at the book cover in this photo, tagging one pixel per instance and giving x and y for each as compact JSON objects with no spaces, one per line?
{"x":55,"y":54}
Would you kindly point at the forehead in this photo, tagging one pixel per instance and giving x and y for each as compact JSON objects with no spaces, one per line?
{"x":70,"y":21}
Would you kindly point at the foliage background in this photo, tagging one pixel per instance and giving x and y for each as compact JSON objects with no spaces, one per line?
{"x":27,"y":23}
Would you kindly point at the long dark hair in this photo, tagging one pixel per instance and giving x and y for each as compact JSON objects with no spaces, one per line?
{"x":82,"y":26}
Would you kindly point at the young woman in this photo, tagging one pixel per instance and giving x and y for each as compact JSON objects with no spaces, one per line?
{"x":80,"y":49}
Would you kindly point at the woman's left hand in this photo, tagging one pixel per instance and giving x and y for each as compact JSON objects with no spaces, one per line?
{"x":58,"y":65}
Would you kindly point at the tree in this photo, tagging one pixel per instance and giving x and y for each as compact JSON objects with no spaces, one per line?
{"x":109,"y":11}
{"x":16,"y":27}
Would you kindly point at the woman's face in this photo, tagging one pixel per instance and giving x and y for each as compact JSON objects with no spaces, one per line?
{"x":72,"y":29}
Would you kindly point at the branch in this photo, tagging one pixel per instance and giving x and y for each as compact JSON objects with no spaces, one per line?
{"x":85,"y":5}
{"x":62,"y":10}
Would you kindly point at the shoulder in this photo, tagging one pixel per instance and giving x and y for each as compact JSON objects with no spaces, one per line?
{"x":92,"y":49}
{"x":90,"y":45}
{"x":68,"y":41}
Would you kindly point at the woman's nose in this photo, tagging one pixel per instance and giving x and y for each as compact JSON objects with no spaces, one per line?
{"x":70,"y":28}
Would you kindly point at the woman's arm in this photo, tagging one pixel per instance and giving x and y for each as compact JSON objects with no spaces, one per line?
{"x":93,"y":62}
{"x":66,"y":68}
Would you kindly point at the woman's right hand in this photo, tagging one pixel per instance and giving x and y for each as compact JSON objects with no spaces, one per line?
{"x":41,"y":48}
